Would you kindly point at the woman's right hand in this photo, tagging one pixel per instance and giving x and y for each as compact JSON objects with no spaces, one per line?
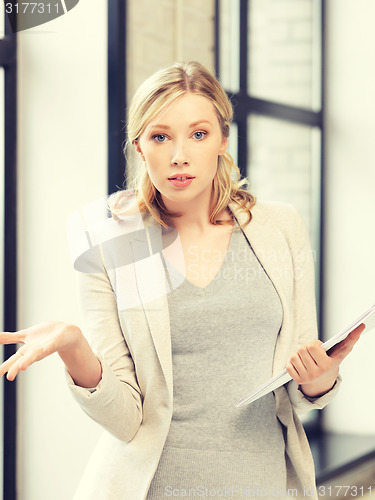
{"x":39,"y":341}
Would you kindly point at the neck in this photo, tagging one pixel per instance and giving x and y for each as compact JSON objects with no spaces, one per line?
{"x":195,"y":215}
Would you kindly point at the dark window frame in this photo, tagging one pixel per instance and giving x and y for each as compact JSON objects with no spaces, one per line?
{"x":8,"y":60}
{"x":117,"y":14}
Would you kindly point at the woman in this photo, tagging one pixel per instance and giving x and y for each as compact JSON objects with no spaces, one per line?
{"x":177,"y":341}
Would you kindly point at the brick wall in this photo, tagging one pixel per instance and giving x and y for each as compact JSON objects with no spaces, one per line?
{"x":160,"y":33}
{"x":283,"y":58}
{"x":282,"y":51}
{"x":284,"y":161}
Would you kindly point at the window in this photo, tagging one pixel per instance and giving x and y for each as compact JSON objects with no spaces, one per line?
{"x":268,"y":58}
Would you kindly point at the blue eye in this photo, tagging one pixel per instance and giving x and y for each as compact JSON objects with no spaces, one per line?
{"x":159,"y":137}
{"x":199,"y":135}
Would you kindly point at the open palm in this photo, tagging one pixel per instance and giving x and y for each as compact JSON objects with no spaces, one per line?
{"x":39,"y":341}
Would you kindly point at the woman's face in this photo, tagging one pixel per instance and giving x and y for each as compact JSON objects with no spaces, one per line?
{"x":184,"y":141}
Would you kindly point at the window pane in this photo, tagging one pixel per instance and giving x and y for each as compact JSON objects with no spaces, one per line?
{"x":284,"y":51}
{"x":2,"y":112}
{"x":2,"y":20}
{"x":284,"y":164}
{"x":229,"y":15}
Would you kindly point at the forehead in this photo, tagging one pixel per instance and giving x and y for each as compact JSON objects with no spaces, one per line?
{"x":186,"y":109}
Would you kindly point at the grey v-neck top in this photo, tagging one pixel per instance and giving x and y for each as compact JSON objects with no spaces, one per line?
{"x":223,"y":340}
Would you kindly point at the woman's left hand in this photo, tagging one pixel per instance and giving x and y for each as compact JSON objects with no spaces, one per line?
{"x":314,"y":369}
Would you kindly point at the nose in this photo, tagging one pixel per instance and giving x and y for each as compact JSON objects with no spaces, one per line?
{"x":179,"y":156}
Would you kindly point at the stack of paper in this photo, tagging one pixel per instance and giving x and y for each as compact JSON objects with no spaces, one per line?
{"x":368,"y":318}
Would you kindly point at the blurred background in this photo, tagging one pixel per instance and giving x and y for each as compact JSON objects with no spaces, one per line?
{"x":301,"y":77}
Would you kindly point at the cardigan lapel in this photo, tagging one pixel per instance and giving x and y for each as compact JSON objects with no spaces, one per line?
{"x":272,"y":251}
{"x":152,"y":286}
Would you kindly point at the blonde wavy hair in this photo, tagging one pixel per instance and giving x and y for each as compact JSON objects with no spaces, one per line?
{"x":151,"y":98}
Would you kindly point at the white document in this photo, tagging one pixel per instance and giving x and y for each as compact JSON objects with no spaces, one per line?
{"x":368,"y":318}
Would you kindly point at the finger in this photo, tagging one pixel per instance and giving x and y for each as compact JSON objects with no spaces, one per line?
{"x":343,"y":348}
{"x":310,"y":365}
{"x":50,"y":348}
{"x":311,"y":354}
{"x":321,"y":360}
{"x":353,"y":336}
{"x":292,"y":371}
{"x":310,"y":361}
{"x":4,"y":367}
{"x":298,"y":367}
{"x":359,"y":329}
{"x":13,"y":370}
{"x":23,"y":362}
{"x":11,"y":337}
{"x":339,"y":353}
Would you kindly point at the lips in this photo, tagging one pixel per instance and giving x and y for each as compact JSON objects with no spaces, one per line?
{"x":181,"y":180}
{"x":181,"y":177}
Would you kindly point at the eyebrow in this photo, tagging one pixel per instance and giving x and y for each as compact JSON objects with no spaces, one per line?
{"x":194,"y":124}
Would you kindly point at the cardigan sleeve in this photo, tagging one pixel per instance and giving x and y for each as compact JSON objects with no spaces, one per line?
{"x":303,"y":403}
{"x":304,"y":307}
{"x":116,"y":402}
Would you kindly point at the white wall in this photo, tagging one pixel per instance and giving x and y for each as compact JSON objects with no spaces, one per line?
{"x":350,"y":210}
{"x":176,"y":31}
{"x":62,"y":150}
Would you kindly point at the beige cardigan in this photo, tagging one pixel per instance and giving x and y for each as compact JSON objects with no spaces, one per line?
{"x":133,"y":401}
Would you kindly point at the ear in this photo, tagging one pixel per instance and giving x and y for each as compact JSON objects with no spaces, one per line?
{"x":224,"y":145}
{"x":138,"y":149}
